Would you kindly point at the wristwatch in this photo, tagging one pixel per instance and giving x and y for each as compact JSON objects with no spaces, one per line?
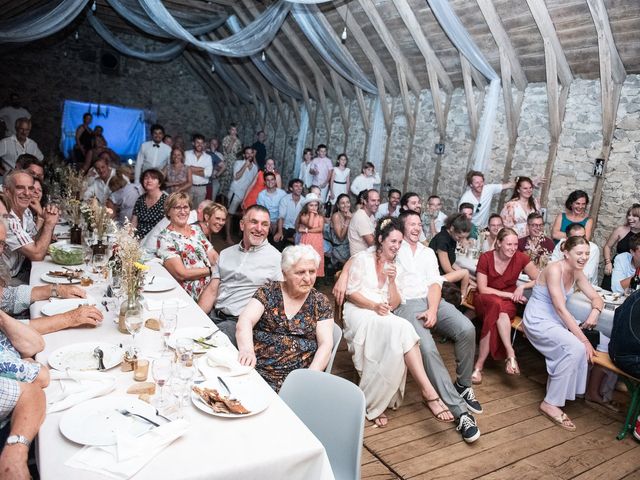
{"x":13,"y":439}
{"x":54,"y":291}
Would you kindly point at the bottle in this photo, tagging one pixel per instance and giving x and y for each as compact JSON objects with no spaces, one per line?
{"x":635,"y":281}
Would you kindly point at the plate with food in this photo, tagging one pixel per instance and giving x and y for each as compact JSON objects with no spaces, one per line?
{"x":247,"y":398}
{"x":64,"y":253}
{"x":82,"y":356}
{"x":66,"y":275}
{"x":158,"y":284}
{"x":58,"y":306}
{"x":613,"y":298}
{"x":204,"y":338}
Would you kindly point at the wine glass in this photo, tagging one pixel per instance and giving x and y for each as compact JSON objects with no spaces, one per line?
{"x":168,"y":323}
{"x":161,"y":371}
{"x":133,"y":321}
{"x":181,"y":384}
{"x":99,"y":265}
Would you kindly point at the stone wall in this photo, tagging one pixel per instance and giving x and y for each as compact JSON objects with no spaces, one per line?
{"x":47,"y":73}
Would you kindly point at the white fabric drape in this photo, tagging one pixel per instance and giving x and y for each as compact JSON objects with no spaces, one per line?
{"x":459,"y":36}
{"x":40,"y":22}
{"x":302,"y":139}
{"x":377,"y":136}
{"x":164,"y":53}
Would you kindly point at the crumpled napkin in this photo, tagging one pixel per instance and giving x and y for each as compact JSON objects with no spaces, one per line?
{"x":72,"y":387}
{"x":173,"y":303}
{"x":129,"y":454}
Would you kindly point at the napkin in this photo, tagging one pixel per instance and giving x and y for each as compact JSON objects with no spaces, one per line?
{"x":71,"y":387}
{"x":157,"y":304}
{"x":129,"y":454}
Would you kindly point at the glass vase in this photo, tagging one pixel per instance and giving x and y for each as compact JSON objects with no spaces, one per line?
{"x":131,"y":303}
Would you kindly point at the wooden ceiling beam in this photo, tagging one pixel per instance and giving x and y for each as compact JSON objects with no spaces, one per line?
{"x":344,"y":114}
{"x":472,"y":107}
{"x":414,"y":27}
{"x":364,"y":111}
{"x":367,"y":49}
{"x":391,"y":44}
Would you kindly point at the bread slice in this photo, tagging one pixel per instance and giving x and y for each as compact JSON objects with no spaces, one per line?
{"x":142,"y":388}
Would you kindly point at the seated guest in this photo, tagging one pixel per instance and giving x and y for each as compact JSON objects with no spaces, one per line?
{"x":494,"y":227}
{"x":537,"y":245}
{"x":522,"y":204}
{"x":433,"y":219}
{"x":497,"y":296}
{"x":100,"y":149}
{"x":260,"y":183}
{"x":391,"y":208}
{"x":591,"y":268}
{"x":310,"y":226}
{"x":576,"y":212}
{"x":338,"y":230}
{"x":555,"y":333}
{"x":624,"y":347}
{"x":411,"y":201}
{"x":37,"y":203}
{"x":288,"y":212}
{"x":366,"y":180}
{"x":99,"y":185}
{"x":214,"y":216}
{"x":270,"y":198}
{"x":287,"y":325}
{"x":123,"y":198}
{"x":626,"y":266}
{"x":467,"y":210}
{"x":184,"y":250}
{"x":619,"y":239}
{"x":32,"y":165}
{"x":362,"y":225}
{"x":149,"y":208}
{"x":240,"y":271}
{"x":384,"y":346}
{"x":15,"y":145}
{"x":456,"y":229}
{"x":177,"y":174}
{"x":24,"y":241}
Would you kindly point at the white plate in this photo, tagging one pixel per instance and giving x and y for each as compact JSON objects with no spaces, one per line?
{"x":55,"y":307}
{"x":159,"y":284}
{"x":198,"y":332}
{"x":79,"y":356}
{"x":59,"y":280}
{"x":607,"y":297}
{"x":96,"y":422}
{"x":211,"y":372}
{"x":253,"y":396}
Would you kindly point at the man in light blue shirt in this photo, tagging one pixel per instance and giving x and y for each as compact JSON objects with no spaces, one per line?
{"x":290,"y":207}
{"x":269,"y":198}
{"x":626,"y":265}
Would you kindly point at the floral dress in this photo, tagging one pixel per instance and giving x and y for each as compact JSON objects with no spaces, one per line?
{"x":13,"y":366}
{"x":191,"y":250}
{"x":176,"y":176}
{"x":231,"y":148}
{"x":285,"y":344}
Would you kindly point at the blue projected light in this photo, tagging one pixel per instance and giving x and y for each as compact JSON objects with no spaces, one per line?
{"x":124,"y":128}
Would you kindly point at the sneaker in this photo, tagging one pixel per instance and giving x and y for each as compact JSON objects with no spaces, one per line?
{"x":469,"y":397}
{"x":636,"y":431}
{"x":468,"y":428}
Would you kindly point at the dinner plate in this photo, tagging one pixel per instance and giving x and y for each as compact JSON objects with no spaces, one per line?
{"x":253,"y":396}
{"x":58,"y":306}
{"x":159,"y":284}
{"x":45,"y":277}
{"x":199,"y":332}
{"x":607,"y":297}
{"x":97,"y":422}
{"x":210,"y":372}
{"x":79,"y":356}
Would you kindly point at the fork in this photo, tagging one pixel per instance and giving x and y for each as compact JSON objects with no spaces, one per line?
{"x":127,"y":413}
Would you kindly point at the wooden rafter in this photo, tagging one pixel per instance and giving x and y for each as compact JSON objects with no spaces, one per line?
{"x":364,"y":111}
{"x":409,"y":157}
{"x":472,"y":107}
{"x":344,"y":114}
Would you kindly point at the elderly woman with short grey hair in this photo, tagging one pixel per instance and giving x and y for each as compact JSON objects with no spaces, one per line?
{"x":287,"y":325}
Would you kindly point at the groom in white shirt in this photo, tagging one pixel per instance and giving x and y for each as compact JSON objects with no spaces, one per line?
{"x":153,"y":154}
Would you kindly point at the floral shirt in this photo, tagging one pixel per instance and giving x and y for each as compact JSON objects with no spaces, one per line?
{"x":13,"y":366}
{"x":191,"y":250}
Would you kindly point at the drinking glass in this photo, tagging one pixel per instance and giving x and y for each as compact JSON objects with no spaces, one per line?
{"x":161,"y":371}
{"x":184,"y":347}
{"x":181,"y":385}
{"x":133,"y":321}
{"x":168,"y":323}
{"x":99,"y":265}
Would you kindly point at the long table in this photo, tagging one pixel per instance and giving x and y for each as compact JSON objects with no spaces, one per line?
{"x":272,"y":444}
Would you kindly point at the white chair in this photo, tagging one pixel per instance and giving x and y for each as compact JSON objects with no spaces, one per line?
{"x":333,"y":408}
{"x":337,"y":336}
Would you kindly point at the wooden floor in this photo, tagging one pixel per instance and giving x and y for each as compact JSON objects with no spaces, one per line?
{"x":516,"y":443}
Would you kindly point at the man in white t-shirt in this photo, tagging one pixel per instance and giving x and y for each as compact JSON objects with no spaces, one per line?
{"x":19,"y":144}
{"x":305,"y":168}
{"x":321,"y":169}
{"x":392,"y":207}
{"x":269,"y":198}
{"x":99,"y":185}
{"x":363,"y":223}
{"x":433,"y":219}
{"x":201,"y":165}
{"x":480,"y":195}
{"x":244,"y":172}
{"x":153,"y":154}
{"x":12,"y":112}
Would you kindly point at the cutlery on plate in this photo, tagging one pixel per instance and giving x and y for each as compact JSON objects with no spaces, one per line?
{"x":222,"y":382}
{"x":158,"y":414}
{"x":127,"y":413}
{"x":104,"y":304}
{"x":152,"y":279}
{"x":204,"y":344}
{"x":99,"y":354}
{"x":208,"y":337}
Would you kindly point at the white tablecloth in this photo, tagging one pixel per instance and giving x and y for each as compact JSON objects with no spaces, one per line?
{"x":273,"y":444}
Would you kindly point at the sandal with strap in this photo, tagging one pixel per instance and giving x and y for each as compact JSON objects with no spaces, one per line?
{"x":381,"y":421}
{"x":439,"y":416}
{"x":476,"y":376}
{"x":562,"y":420}
{"x":511,"y":366}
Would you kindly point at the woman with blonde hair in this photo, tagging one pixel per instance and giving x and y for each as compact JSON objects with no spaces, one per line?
{"x":214,"y":217}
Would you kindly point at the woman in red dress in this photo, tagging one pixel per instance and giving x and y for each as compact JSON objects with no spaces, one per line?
{"x":497,"y":274}
{"x":251,"y":197}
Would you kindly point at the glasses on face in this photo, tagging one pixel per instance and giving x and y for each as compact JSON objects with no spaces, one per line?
{"x":181,"y":207}
{"x":536,"y":225}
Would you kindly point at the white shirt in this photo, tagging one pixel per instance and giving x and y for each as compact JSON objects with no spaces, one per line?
{"x":20,"y":232}
{"x":289,"y":210}
{"x":419,"y":270}
{"x":482,"y":207}
{"x":152,"y":157}
{"x":9,"y":115}
{"x":99,"y":188}
{"x":362,"y":182}
{"x":591,"y":268}
{"x":622,"y":268}
{"x":204,"y":161}
{"x":360,"y":225}
{"x":239,"y":187}
{"x":383,"y":211}
{"x":11,"y":149}
{"x":305,"y":175}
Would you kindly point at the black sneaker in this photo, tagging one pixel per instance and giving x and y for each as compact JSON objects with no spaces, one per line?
{"x":468,"y":428}
{"x":469,"y":397}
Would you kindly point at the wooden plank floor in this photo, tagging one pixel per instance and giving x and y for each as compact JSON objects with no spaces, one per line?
{"x":517,"y":442}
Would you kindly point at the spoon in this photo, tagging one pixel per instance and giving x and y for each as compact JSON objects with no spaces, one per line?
{"x":99,"y":354}
{"x":104,"y":304}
